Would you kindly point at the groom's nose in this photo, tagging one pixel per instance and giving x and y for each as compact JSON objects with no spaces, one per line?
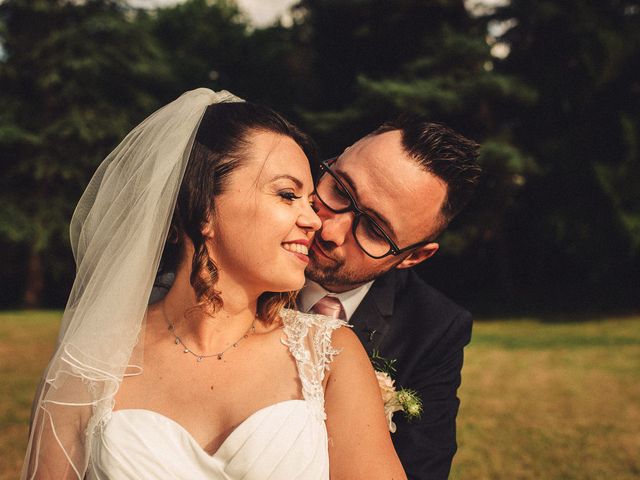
{"x":336,"y":227}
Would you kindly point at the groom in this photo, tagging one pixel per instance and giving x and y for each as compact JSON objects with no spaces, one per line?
{"x":383,"y":203}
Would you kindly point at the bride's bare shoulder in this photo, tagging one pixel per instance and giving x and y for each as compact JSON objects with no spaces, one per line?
{"x":352,"y":359}
{"x":345,"y":338}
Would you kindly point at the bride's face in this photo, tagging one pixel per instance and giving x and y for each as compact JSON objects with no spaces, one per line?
{"x":263,"y":221}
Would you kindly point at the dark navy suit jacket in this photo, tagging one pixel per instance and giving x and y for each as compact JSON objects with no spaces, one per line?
{"x":405,"y":319}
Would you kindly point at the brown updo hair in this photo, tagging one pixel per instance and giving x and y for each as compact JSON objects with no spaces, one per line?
{"x":221,"y":145}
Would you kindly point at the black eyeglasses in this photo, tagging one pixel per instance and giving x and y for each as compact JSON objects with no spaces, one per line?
{"x":370,"y":236}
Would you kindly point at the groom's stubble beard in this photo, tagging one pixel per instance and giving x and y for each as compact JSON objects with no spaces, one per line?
{"x":338,"y":273}
{"x":335,"y":274}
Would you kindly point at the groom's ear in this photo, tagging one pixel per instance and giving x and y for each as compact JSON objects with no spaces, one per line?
{"x":419,"y":255}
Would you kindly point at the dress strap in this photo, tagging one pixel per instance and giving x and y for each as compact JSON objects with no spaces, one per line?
{"x":308,"y":336}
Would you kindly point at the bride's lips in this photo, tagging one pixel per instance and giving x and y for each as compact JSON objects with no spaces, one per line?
{"x":298,"y":248}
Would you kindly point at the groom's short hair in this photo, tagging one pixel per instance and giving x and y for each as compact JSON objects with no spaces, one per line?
{"x":443,"y":152}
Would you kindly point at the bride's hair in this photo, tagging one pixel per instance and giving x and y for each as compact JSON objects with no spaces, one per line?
{"x":222,"y":144}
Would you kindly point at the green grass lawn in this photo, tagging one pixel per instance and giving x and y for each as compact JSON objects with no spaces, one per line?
{"x":551,"y":401}
{"x":26,"y":343}
{"x":539,"y":401}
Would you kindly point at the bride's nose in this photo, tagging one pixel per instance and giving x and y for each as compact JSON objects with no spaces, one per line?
{"x":308,"y":219}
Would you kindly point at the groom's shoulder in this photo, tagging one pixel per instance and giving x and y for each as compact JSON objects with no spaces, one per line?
{"x":423,"y":319}
{"x":414,"y":293}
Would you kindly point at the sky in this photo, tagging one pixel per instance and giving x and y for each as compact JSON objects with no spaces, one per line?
{"x":265,"y":12}
{"x":261,"y":12}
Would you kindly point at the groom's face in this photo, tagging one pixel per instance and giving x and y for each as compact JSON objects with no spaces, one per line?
{"x":396,"y":192}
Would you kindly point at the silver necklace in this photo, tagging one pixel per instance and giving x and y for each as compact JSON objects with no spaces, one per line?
{"x":199,"y":356}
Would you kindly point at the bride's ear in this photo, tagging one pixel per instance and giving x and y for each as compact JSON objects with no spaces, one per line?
{"x":208,"y":230}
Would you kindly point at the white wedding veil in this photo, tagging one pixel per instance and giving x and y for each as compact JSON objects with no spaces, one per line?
{"x":118,"y":232}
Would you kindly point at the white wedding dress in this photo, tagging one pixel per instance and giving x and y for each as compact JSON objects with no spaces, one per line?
{"x":284,"y":441}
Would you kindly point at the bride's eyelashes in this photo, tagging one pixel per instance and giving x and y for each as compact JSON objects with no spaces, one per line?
{"x":289,"y":195}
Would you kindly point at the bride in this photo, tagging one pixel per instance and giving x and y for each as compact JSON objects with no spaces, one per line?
{"x":218,"y":379}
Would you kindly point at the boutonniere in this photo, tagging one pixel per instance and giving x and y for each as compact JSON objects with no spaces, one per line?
{"x":405,"y":400}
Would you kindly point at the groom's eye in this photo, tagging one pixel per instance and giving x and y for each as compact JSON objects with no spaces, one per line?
{"x":372,"y":231}
{"x":340,"y":191}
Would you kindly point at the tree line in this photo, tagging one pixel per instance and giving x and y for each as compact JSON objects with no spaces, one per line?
{"x":550,"y":89}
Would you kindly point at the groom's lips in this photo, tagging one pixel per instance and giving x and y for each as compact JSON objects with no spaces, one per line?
{"x":317,"y":249}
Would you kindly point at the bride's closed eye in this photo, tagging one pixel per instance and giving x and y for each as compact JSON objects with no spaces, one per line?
{"x":289,"y":195}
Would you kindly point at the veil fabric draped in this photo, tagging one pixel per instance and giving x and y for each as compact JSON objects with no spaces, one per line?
{"x":118,"y":231}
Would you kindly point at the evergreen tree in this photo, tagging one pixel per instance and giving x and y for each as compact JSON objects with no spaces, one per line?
{"x":212,"y":44}
{"x":582,"y":57}
{"x":74,"y":78}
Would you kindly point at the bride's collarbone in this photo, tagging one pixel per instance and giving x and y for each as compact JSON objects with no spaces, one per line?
{"x":176,"y":385}
{"x":245,"y":357}
{"x":239,"y":370}
{"x":164,"y":340}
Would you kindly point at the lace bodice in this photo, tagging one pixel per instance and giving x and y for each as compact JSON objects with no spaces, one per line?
{"x":284,"y":441}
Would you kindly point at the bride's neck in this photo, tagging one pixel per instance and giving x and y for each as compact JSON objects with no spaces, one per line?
{"x":208,"y":329}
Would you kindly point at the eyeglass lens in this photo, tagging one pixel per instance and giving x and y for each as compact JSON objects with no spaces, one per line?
{"x":367,"y":234}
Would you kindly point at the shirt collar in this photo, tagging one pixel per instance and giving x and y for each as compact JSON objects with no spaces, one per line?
{"x":313,"y":292}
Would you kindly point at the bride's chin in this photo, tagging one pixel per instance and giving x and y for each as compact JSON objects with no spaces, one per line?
{"x":289,"y":286}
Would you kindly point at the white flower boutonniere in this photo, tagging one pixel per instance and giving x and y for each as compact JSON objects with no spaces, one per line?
{"x":394,"y":400}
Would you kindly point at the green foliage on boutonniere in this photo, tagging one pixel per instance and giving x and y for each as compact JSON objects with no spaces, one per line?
{"x":405,"y":399}
{"x":381,"y":364}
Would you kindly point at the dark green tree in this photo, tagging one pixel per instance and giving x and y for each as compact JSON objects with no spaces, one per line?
{"x":373,"y":59}
{"x":74,"y":78}
{"x":581,"y":221}
{"x":202,"y":40}
{"x":212,"y":44}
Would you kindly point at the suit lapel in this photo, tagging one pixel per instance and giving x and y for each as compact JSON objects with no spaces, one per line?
{"x":372,"y":319}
